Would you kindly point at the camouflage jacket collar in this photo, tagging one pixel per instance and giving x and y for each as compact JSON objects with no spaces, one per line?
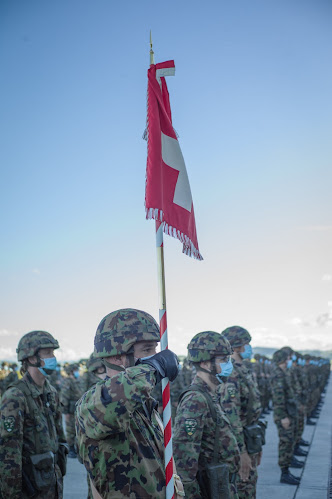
{"x":36,"y":391}
{"x":201,"y":383}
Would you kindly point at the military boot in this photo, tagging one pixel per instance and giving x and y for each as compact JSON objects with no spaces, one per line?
{"x":310,"y":422}
{"x":296,"y":463}
{"x":287,"y":477}
{"x":300,"y":452}
{"x":304,"y":443}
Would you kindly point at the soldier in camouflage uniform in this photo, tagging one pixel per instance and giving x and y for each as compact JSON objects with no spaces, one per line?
{"x":285,"y":414}
{"x":11,"y":377}
{"x":119,"y":431}
{"x":71,"y":392}
{"x":96,"y":371}
{"x":32,"y":442}
{"x":240,"y":399}
{"x":201,"y":425}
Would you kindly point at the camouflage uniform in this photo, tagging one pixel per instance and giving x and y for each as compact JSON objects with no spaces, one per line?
{"x":240,"y":399}
{"x":71,"y":391}
{"x":284,"y":405}
{"x":195,"y":430}
{"x":119,"y":431}
{"x":89,"y":379}
{"x":31,"y":424}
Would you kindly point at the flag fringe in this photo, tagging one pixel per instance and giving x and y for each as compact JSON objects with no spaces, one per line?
{"x":188,"y":247}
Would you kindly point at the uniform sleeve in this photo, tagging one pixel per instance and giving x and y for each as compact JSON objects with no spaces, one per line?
{"x":65,"y":395}
{"x":187,"y":440}
{"x":278,"y":398}
{"x":112,"y":403}
{"x":11,"y":443}
{"x":231,"y":404}
{"x":58,"y":421}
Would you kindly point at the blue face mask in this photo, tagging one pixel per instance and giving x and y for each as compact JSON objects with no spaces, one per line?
{"x":247,"y":354}
{"x":289,"y":363}
{"x":76,"y":374}
{"x":50,"y":365}
{"x":146,"y":358}
{"x":293,"y":356}
{"x":226,"y":370}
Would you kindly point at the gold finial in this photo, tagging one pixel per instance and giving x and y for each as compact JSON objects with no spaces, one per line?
{"x":151,"y":51}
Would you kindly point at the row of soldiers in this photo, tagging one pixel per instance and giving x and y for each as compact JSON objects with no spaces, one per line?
{"x":297,"y":384}
{"x":218,"y":428}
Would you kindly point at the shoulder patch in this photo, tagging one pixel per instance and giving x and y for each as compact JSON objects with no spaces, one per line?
{"x":9,"y":423}
{"x":231,"y":390}
{"x":190,"y":426}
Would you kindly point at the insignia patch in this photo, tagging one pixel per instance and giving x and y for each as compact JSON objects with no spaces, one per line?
{"x":190,"y":426}
{"x":9,"y":423}
{"x":231,"y":391}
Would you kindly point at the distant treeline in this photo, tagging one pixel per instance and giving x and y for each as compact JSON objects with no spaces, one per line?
{"x":268,"y":352}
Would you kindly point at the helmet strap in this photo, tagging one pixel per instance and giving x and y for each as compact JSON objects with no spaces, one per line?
{"x":131,"y":358}
{"x":212,"y":372}
{"x":115,"y":367}
{"x":38,"y":361}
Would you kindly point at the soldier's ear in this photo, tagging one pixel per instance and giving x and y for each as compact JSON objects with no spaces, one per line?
{"x":32,"y":360}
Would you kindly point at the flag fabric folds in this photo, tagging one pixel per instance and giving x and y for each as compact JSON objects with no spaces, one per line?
{"x":167,"y":192}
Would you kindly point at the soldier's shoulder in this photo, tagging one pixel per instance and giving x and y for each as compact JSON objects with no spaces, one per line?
{"x":193,"y":398}
{"x":13,"y":395}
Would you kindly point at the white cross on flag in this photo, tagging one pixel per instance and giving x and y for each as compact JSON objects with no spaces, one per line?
{"x":167,"y":193}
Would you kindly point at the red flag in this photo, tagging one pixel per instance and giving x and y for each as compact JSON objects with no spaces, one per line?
{"x":167,"y":191}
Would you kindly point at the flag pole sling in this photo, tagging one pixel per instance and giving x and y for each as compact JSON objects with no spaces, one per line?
{"x":164,"y":344}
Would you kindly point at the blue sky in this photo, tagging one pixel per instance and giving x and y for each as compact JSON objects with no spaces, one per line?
{"x":251,"y":102}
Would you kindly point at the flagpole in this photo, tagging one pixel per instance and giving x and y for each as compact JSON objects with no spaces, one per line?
{"x":167,"y":420}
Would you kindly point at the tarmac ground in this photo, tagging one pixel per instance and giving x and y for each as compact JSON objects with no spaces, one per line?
{"x":315,"y":476}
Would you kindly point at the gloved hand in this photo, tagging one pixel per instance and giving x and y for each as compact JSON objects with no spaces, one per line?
{"x":165,"y":363}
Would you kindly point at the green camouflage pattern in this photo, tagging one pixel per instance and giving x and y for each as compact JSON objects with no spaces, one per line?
{"x":194,"y":437}
{"x":282,"y":394}
{"x":94,"y":362}
{"x":31,"y":342}
{"x":235,"y":395}
{"x":237,"y":336}
{"x":25,"y":432}
{"x":71,"y":392}
{"x":240,"y":400}
{"x":120,"y":438}
{"x":120,"y":330}
{"x":280,"y":356}
{"x":206,"y":345}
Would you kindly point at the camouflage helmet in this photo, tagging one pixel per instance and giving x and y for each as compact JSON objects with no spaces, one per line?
{"x":206,"y":345}
{"x":288,"y":350}
{"x":70,"y":368}
{"x":31,"y":342}
{"x":93,"y":363}
{"x":120,"y":330}
{"x":280,"y":356}
{"x":237,"y":336}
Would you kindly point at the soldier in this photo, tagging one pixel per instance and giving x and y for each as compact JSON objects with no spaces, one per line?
{"x":119,"y":431}
{"x":96,"y":371}
{"x":11,"y":376}
{"x":32,"y":442}
{"x":240,"y":399}
{"x":71,"y":391}
{"x":285,"y":414}
{"x":203,"y":437}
